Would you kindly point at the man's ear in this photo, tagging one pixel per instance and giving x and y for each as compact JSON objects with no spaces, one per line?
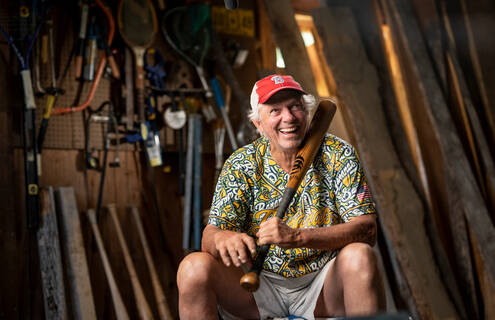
{"x":257,"y":124}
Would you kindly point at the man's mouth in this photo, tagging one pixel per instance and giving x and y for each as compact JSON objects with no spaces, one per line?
{"x":288,"y":130}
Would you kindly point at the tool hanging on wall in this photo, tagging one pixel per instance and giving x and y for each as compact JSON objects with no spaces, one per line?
{"x":198,"y":175}
{"x":186,"y":29}
{"x":179,"y":138}
{"x":193,"y":183}
{"x":219,"y":132}
{"x":92,"y":161}
{"x":152,"y":143}
{"x":99,"y":70}
{"x":223,"y":110}
{"x":83,"y":25}
{"x":21,"y":36}
{"x":186,"y":232}
{"x":155,"y":73}
{"x":53,"y":91}
{"x":138,"y":29}
{"x":246,"y":131}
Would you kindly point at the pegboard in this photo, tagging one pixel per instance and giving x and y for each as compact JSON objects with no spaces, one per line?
{"x":68,"y":131}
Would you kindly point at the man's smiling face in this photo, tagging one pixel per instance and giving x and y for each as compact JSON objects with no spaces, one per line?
{"x":283,"y":120}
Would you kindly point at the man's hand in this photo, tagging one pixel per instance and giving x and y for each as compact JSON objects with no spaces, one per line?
{"x":274,"y":231}
{"x":234,"y":247}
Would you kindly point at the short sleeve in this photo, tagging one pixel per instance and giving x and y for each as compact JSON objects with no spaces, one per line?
{"x":230,"y":202}
{"x":352,"y":194}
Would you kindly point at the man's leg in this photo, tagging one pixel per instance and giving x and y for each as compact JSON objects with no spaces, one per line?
{"x":205,"y":282}
{"x":353,"y":285}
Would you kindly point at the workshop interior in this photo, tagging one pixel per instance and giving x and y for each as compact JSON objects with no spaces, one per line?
{"x":116,"y":118}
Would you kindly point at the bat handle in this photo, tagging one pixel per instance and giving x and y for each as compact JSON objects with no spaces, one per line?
{"x":250,"y":281}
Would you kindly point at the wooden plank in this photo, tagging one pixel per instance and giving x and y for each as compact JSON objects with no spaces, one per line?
{"x":82,"y":303}
{"x":267,"y":43}
{"x":290,"y":42}
{"x":431,"y":170}
{"x":160,"y":298}
{"x":461,"y":181}
{"x":430,"y":23}
{"x":449,"y":220}
{"x":478,"y":142}
{"x":484,"y":165}
{"x":469,"y":57}
{"x":357,"y":86}
{"x":480,"y":14}
{"x":139,"y":296}
{"x":119,"y":306}
{"x":52,"y":275}
{"x":246,"y":132}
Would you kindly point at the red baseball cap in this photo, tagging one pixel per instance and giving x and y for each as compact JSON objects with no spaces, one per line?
{"x":263,"y":89}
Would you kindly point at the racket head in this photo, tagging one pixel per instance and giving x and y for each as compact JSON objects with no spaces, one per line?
{"x":187,"y":30}
{"x":137,"y":21}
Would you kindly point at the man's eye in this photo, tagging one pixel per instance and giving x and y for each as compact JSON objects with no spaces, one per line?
{"x":297,"y":107}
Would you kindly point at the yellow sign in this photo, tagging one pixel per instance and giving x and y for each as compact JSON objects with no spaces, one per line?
{"x":239,"y":22}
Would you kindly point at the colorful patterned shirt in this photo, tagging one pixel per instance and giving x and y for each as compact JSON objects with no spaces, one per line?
{"x":251,"y":186}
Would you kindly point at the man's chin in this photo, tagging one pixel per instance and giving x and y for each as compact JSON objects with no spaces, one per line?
{"x":292,"y":145}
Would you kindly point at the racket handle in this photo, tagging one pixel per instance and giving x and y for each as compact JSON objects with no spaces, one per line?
{"x":50,"y":101}
{"x":78,"y":66}
{"x":140,"y":92}
{"x":113,"y":65}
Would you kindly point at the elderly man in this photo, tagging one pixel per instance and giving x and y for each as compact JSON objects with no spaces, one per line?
{"x":321,"y":262}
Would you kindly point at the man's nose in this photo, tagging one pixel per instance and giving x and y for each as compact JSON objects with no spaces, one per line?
{"x":287,"y":115}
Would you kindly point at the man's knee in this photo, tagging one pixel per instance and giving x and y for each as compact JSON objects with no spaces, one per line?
{"x":195,"y":270}
{"x":357,"y":260}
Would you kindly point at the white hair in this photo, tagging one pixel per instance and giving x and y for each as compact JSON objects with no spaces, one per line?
{"x":307,"y":100}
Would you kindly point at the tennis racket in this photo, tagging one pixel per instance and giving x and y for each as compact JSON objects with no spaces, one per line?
{"x":20,"y":31}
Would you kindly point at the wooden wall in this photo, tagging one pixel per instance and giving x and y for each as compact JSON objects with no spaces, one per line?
{"x":126,"y":185}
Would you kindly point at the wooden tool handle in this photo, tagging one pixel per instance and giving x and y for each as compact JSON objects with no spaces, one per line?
{"x":305,"y":156}
{"x":142,"y":304}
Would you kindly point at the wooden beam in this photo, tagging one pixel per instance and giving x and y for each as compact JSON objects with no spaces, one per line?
{"x":52,"y":275}
{"x":469,"y":55}
{"x":404,"y":106}
{"x":458,"y":177}
{"x":484,"y":164}
{"x":290,"y":42}
{"x":82,"y":303}
{"x":397,"y":202}
{"x":449,"y":221}
{"x":267,"y":43}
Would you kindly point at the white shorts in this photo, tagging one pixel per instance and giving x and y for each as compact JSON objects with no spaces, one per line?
{"x":279,"y":297}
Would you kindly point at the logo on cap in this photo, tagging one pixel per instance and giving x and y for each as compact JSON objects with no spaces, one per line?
{"x":277,"y":79}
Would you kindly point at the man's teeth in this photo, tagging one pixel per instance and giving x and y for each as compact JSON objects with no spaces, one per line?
{"x":289,"y":130}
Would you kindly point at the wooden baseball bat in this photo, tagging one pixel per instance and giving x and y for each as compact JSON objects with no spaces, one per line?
{"x":305,"y":156}
{"x":118,"y":304}
{"x":142,"y":305}
{"x":161,"y":301}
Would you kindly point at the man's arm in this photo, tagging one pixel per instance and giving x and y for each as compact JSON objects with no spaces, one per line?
{"x":230,"y":246}
{"x":359,"y":229}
